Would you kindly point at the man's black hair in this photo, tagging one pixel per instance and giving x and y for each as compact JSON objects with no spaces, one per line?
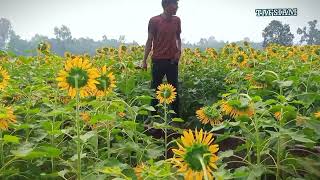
{"x":165,"y":3}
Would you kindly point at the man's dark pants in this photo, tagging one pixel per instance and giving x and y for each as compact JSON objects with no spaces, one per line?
{"x":168,"y":68}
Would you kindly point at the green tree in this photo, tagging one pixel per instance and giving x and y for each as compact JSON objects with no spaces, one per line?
{"x":278,"y":33}
{"x":63,"y":37}
{"x":310,"y":35}
{"x":63,"y":33}
{"x":5,"y":29}
{"x":18,"y":46}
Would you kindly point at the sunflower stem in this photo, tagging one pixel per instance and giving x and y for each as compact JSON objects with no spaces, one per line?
{"x":165,"y":131}
{"x":52,"y":128}
{"x":108,"y":141}
{"x":1,"y":149}
{"x":108,"y":133}
{"x":78,"y":129}
{"x":279,"y":148}
{"x":257,"y":139}
{"x":97,"y":142}
{"x":203,"y":168}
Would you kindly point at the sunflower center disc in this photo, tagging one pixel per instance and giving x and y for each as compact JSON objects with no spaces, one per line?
{"x":240,"y":58}
{"x":166,"y":93}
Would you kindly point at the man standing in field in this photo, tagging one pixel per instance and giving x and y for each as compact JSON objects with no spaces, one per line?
{"x":164,"y":39}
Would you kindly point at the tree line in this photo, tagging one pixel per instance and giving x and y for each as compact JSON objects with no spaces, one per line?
{"x":274,"y":32}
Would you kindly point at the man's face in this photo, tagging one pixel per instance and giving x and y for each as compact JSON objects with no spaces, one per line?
{"x":171,"y":9}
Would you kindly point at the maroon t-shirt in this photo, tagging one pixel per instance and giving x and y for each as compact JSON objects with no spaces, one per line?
{"x":165,"y":32}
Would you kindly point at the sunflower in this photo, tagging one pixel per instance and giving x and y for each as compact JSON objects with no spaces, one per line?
{"x":44,"y":47}
{"x":235,"y":108}
{"x":139,"y":169}
{"x":67,"y":54}
{"x":304,"y":57}
{"x":209,"y":114}
{"x":166,"y":93}
{"x":6,"y":117}
{"x":317,"y":114}
{"x":85,"y":116}
{"x":4,"y":78}
{"x":99,"y":51}
{"x":79,"y":70}
{"x":240,"y":59}
{"x":122,"y":50}
{"x":212,"y":53}
{"x":278,"y":115}
{"x":272,"y":50}
{"x":106,"y":83}
{"x":196,"y":153}
{"x":121,"y":114}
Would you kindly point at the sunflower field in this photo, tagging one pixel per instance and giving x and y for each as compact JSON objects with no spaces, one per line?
{"x":245,"y":114}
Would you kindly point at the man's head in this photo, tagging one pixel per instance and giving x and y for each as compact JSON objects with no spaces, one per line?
{"x":170,"y":7}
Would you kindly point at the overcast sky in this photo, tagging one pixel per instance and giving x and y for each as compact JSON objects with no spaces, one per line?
{"x":228,"y":20}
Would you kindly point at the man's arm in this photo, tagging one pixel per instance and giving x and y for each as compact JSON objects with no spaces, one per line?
{"x":178,"y":42}
{"x":147,"y":49}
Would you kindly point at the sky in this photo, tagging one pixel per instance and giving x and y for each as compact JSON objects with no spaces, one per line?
{"x":228,"y":20}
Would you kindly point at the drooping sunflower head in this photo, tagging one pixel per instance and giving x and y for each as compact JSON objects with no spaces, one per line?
{"x":233,"y":44}
{"x":4,"y":78}
{"x":112,"y":50}
{"x":67,"y":54}
{"x":106,"y":82}
{"x":240,"y":58}
{"x":237,"y":107}
{"x":209,"y":114}
{"x":196,"y":153}
{"x":44,"y":47}
{"x":123,"y":48}
{"x":78,"y":73}
{"x":166,"y":93}
{"x":99,"y":51}
{"x":6,"y":117}
{"x":105,"y":49}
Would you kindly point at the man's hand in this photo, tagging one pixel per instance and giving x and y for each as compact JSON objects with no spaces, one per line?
{"x":144,"y":65}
